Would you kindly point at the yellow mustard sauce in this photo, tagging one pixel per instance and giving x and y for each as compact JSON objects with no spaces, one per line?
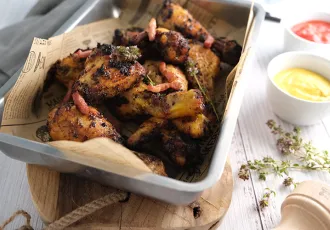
{"x":304,"y":84}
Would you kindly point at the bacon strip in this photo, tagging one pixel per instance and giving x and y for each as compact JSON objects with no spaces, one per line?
{"x":81,"y":104}
{"x":209,"y":41}
{"x":152,"y":29}
{"x":174,"y":81}
{"x":169,"y":75}
{"x":159,"y":88}
{"x":83,"y":54}
{"x":68,"y":93}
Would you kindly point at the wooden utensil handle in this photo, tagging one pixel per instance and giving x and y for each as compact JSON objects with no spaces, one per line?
{"x":306,"y":208}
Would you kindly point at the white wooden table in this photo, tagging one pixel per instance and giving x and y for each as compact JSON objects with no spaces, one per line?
{"x":252,"y":140}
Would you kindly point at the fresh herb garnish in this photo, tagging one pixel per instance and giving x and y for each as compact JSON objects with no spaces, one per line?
{"x":289,"y":181}
{"x":127,"y":54}
{"x":193,"y":71}
{"x":147,"y":80}
{"x":264,"y":202}
{"x":304,"y":156}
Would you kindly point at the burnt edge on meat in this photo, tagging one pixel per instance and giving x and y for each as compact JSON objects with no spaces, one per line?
{"x":229,"y":51}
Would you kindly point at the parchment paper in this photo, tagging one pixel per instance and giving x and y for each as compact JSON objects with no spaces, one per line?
{"x":21,"y":118}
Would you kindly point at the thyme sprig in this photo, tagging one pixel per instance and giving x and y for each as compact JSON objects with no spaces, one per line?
{"x":127,"y":53}
{"x":264,"y":202}
{"x":289,"y":181}
{"x":303,"y":156}
{"x":147,"y":80}
{"x":193,"y":71}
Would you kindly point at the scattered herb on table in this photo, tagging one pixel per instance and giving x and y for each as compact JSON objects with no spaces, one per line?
{"x":289,"y":181}
{"x":264,"y":202}
{"x":305,"y":157}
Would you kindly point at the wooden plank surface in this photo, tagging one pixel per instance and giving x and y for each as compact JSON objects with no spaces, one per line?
{"x":251,"y":140}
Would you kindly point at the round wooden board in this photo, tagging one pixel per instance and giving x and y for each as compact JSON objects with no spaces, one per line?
{"x":55,"y":194}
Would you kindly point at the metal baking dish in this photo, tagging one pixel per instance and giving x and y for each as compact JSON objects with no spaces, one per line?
{"x":151,"y":185}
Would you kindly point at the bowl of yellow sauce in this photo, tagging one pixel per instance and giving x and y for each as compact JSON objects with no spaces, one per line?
{"x":299,"y":87}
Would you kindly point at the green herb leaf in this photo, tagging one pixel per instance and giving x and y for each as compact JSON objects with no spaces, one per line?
{"x":193,"y":71}
{"x":304,"y":157}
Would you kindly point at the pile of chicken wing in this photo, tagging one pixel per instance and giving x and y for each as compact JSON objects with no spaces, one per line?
{"x":160,"y":78}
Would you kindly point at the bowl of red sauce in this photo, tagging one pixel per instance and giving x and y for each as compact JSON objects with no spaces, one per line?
{"x":307,"y":31}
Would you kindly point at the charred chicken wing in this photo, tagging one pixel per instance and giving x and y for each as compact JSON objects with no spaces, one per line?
{"x":173,"y":105}
{"x":228,"y":50}
{"x":195,"y":127}
{"x":123,"y":37}
{"x":68,"y":69}
{"x":181,"y":152}
{"x":147,"y":130}
{"x":68,"y":123}
{"x":155,"y":164}
{"x":173,"y":47}
{"x":109,"y":70}
{"x":173,"y":17}
{"x":202,"y":67}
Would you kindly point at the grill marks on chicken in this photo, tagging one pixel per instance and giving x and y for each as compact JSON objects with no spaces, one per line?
{"x":123,"y":37}
{"x":147,"y":130}
{"x":202,"y":66}
{"x":179,"y":151}
{"x":172,"y":45}
{"x":155,"y":164}
{"x":173,"y":17}
{"x":141,"y":101}
{"x":195,"y":127}
{"x":228,"y":50}
{"x":170,"y":106}
{"x":67,"y":70}
{"x":109,"y":70}
{"x":171,"y":140}
{"x":68,"y":123}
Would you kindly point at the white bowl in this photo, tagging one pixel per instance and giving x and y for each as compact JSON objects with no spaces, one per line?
{"x":293,"y":42}
{"x":289,"y":108}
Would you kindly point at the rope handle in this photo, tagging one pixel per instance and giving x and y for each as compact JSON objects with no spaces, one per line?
{"x":75,"y":215}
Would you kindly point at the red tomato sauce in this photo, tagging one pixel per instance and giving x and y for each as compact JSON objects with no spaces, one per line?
{"x":315,"y":31}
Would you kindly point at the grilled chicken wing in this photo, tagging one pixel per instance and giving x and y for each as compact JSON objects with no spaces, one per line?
{"x":67,"y":70}
{"x":181,"y":152}
{"x":195,"y":127}
{"x":173,"y":105}
{"x":141,"y":100}
{"x":68,"y":123}
{"x":173,"y":47}
{"x":153,"y":73}
{"x":123,"y":37}
{"x":173,"y":17}
{"x":147,"y":130}
{"x":228,"y":50}
{"x":202,"y":66}
{"x":175,"y":78}
{"x":155,"y":164}
{"x":109,"y":70}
